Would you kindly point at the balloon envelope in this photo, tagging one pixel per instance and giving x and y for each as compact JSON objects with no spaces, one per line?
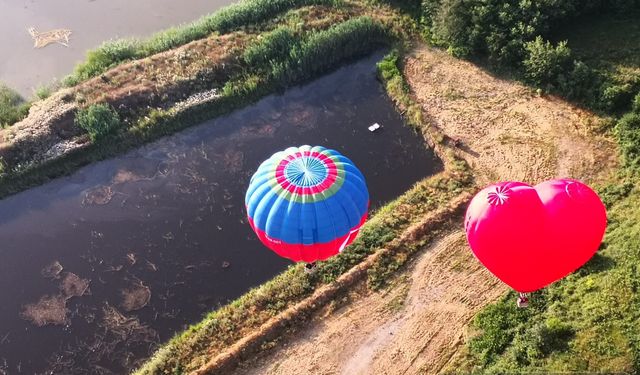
{"x":307,"y":203}
{"x":530,"y":236}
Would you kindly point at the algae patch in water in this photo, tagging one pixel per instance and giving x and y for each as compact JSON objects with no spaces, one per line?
{"x":48,"y":310}
{"x":136,"y":296}
{"x":52,"y":309}
{"x":74,"y":286}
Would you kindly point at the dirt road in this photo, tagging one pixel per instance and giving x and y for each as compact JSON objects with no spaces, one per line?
{"x":413,"y":327}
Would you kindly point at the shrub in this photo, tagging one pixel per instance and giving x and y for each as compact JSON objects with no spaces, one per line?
{"x":581,"y":83}
{"x":636,"y":103}
{"x":44,"y":91}
{"x":497,"y":28}
{"x":13,"y":107}
{"x":451,"y":27}
{"x":388,"y":66}
{"x":616,"y":97}
{"x":98,"y":120}
{"x":628,"y":132}
{"x":412,"y":7}
{"x":545,"y":63}
{"x":275,"y":45}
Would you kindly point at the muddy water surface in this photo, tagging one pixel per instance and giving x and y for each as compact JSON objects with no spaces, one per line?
{"x":99,"y":267}
{"x":91,"y":21}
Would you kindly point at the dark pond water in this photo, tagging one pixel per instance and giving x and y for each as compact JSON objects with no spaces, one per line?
{"x":91,"y":21}
{"x":151,"y":241}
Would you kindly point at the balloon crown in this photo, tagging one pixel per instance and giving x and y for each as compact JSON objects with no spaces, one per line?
{"x":499,"y":196}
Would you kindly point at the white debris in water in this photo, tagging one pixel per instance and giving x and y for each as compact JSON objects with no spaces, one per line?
{"x":42,"y":39}
{"x":374,"y":127}
{"x":197,"y":98}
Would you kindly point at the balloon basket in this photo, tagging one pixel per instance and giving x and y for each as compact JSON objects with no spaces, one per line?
{"x":523,"y":300}
{"x":310,"y":268}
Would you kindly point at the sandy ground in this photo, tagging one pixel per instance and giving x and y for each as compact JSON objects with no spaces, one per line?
{"x":505,"y":131}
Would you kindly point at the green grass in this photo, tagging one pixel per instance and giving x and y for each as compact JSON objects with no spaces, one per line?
{"x":98,"y":120}
{"x":44,"y":91}
{"x":285,"y":55}
{"x":241,"y":14}
{"x":13,"y":107}
{"x":272,"y":46}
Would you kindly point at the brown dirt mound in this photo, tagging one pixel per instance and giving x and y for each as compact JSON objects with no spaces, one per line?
{"x":100,"y":195}
{"x":52,"y":270}
{"x":74,"y":286}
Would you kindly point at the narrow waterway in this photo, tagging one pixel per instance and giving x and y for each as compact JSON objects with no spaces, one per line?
{"x":24,"y":67}
{"x":99,"y":267}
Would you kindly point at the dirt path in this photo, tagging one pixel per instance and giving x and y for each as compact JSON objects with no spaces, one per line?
{"x":505,"y":131}
{"x":413,"y":327}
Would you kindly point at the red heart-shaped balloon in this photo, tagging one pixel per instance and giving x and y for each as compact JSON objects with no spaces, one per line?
{"x":530,"y":236}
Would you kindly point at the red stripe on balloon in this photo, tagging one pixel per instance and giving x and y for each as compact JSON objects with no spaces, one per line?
{"x":307,"y":253}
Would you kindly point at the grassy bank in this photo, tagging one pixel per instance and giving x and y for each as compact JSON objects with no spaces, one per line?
{"x":587,"y":322}
{"x":248,"y":81}
{"x":193,"y":348}
{"x":245,"y":14}
{"x":240,"y":15}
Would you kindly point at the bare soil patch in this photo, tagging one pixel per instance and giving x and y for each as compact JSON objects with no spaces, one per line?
{"x":413,"y":327}
{"x":504,"y":129}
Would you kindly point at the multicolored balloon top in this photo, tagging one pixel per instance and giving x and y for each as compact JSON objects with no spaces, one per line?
{"x":307,"y":203}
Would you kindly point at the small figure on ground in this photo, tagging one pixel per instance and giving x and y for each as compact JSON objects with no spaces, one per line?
{"x":310,"y":268}
{"x":523,"y":300}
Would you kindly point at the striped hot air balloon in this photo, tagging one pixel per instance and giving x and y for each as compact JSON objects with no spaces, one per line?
{"x":307,"y":203}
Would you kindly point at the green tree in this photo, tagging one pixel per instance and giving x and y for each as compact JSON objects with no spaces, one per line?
{"x":545,"y":63}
